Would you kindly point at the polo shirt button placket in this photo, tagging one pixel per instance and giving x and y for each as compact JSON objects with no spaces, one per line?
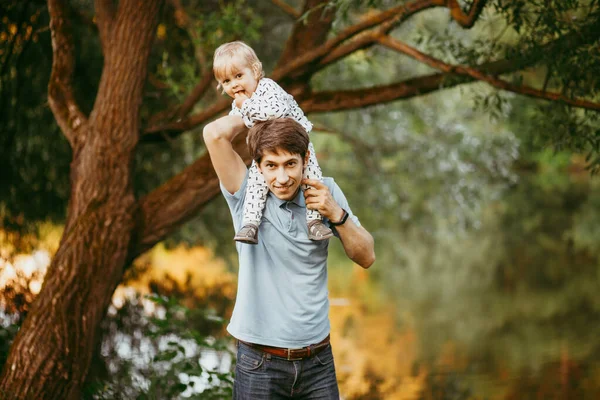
{"x":291,"y":220}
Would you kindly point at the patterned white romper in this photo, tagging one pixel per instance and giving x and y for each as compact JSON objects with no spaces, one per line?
{"x":270,"y":101}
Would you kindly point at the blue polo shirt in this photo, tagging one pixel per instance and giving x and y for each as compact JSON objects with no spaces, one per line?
{"x":282,"y":283}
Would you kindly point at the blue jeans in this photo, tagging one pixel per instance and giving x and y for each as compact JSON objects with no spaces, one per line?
{"x":260,"y":375}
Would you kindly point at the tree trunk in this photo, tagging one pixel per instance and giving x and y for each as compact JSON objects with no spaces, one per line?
{"x":51,"y":354}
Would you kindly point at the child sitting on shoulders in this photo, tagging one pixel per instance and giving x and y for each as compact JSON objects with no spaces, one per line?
{"x":256,"y":98}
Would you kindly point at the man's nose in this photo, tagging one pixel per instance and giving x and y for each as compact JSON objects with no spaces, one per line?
{"x":282,"y":176}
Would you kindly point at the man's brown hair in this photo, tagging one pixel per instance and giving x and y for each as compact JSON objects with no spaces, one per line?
{"x":280,"y":134}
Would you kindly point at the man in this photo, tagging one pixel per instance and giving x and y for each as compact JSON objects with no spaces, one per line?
{"x":281,"y":314}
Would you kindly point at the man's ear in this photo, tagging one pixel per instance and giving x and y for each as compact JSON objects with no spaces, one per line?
{"x":306,"y":157}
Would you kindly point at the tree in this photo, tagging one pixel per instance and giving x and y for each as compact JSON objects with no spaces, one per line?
{"x":107,"y":227}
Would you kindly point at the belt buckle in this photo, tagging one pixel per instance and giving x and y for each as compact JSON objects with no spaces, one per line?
{"x":289,"y":356}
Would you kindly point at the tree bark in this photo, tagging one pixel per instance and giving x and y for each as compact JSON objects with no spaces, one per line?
{"x":51,"y":354}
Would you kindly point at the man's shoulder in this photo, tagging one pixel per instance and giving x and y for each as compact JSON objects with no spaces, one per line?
{"x":334,"y":188}
{"x":329,"y":182}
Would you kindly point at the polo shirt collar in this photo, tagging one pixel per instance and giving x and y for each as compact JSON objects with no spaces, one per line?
{"x":298,"y":200}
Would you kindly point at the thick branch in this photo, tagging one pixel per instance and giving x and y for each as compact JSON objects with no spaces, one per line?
{"x":481,"y":76}
{"x":105,"y":14}
{"x":291,"y":11}
{"x":346,"y":100}
{"x":175,"y":128}
{"x":369,"y":38}
{"x":156,"y":131}
{"x":328,"y":101}
{"x":304,"y":38}
{"x":464,"y":20}
{"x":60,"y":92}
{"x":352,"y":99}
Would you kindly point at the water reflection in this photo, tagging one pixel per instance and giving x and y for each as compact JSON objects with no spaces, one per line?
{"x":507,"y":311}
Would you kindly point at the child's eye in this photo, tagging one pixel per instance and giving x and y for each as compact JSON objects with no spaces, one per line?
{"x":225,"y":81}
{"x":238,"y":76}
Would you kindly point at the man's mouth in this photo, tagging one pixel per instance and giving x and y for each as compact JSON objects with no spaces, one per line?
{"x":283,"y":187}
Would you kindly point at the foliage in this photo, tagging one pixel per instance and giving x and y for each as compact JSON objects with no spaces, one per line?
{"x":34,"y":156}
{"x":511,"y":29}
{"x":153,"y":347}
{"x":8,"y":330}
{"x":167,"y":355}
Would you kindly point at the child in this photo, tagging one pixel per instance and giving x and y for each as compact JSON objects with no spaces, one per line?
{"x":256,"y":98}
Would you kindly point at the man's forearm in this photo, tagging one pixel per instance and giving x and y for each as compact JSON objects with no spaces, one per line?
{"x":358,"y":243}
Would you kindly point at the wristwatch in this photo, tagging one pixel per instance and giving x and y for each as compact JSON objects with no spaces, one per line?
{"x":341,"y":221}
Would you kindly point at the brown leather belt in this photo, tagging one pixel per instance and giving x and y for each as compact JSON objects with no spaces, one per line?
{"x":292,"y":354}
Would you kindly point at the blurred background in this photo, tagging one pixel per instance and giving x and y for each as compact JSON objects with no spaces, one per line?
{"x":484,"y":206}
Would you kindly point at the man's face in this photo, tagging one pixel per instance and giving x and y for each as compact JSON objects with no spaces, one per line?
{"x":283,"y":173}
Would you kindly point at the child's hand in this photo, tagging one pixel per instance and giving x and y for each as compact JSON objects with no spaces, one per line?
{"x":240,"y":98}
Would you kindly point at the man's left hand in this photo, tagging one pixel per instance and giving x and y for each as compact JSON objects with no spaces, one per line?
{"x":318,"y":197}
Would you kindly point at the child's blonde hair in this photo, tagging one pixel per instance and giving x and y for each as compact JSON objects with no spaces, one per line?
{"x":226,"y":52}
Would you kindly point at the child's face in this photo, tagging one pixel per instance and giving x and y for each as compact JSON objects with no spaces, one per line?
{"x":238,"y":78}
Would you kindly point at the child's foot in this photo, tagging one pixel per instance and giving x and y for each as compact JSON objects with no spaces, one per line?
{"x":317,"y":230}
{"x":248,"y":234}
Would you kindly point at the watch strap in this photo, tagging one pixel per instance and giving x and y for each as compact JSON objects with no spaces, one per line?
{"x":342,"y":221}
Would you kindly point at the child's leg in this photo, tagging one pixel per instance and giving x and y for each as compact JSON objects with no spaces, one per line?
{"x":254,"y":204}
{"x":317,"y":230}
{"x":312,"y":171}
{"x":256,"y":196}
